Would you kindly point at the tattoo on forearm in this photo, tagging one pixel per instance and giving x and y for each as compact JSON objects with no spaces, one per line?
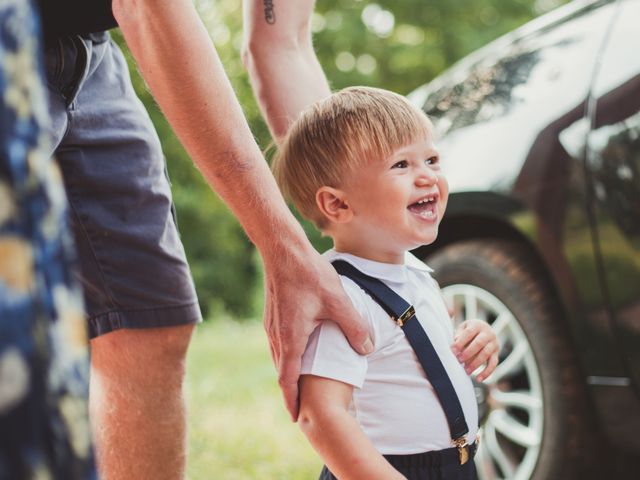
{"x":269,"y":12}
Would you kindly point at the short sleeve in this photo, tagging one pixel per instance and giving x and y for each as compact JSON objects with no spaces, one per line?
{"x":329,"y":354}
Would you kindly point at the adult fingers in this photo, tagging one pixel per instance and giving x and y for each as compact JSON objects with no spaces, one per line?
{"x":270,"y":327}
{"x":274,"y":355}
{"x":288,"y":380}
{"x":274,"y":344}
{"x":352,"y":324}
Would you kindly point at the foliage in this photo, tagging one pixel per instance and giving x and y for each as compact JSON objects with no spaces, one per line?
{"x":238,"y":426}
{"x":397,"y":45}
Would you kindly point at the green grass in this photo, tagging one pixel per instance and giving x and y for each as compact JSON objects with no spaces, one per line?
{"x":238,"y":426}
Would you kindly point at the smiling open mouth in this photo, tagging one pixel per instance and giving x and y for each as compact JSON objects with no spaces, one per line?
{"x":425,"y":207}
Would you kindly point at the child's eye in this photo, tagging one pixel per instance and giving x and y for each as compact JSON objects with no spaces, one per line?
{"x":400,"y":164}
{"x":432,"y":160}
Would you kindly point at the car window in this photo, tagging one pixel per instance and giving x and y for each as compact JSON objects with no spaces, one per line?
{"x":542,"y":75}
{"x":614,"y":142}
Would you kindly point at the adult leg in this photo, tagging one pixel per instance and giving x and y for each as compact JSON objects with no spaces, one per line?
{"x":137,"y":402}
{"x":140,"y":298}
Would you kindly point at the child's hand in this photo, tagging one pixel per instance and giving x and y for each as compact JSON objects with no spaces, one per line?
{"x":475,"y":344}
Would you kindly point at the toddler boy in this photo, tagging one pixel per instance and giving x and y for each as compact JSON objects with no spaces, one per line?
{"x":362,"y":166}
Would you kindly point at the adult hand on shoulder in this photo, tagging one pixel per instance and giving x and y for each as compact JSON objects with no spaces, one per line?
{"x":475,"y":344}
{"x":302,"y":290}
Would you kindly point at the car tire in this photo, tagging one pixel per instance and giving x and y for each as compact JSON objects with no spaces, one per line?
{"x":512,"y":280}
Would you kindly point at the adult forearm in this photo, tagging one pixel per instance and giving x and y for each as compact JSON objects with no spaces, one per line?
{"x":183,"y":71}
{"x":283,"y":68}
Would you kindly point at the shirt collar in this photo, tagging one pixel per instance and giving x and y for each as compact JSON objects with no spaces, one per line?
{"x":390,"y":272}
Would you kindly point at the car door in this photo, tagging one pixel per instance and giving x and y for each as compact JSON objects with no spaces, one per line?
{"x":613,"y":168}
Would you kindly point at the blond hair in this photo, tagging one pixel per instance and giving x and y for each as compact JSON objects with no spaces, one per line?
{"x":335,"y":135}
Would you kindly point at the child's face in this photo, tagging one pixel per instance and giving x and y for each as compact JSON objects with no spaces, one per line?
{"x":397,"y":202}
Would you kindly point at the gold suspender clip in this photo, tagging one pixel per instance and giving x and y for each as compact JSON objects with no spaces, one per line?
{"x":463,"y":449}
{"x":406,"y":316}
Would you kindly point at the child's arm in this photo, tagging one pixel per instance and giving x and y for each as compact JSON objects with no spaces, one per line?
{"x":475,"y":343}
{"x":336,"y":435}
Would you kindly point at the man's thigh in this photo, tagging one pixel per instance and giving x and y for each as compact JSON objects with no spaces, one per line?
{"x":133,"y":266}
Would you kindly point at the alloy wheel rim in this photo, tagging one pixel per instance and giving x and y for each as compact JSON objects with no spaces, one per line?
{"x":511,"y":429}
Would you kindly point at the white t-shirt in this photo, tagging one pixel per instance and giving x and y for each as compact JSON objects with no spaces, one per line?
{"x":393,"y":401}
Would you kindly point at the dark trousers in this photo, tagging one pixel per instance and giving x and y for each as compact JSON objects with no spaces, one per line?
{"x":438,"y":465}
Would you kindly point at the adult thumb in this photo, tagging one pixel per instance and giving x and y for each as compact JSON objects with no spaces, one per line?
{"x":354,"y":327}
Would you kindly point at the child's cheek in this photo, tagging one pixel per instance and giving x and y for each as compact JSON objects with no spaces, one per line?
{"x":443,"y":187}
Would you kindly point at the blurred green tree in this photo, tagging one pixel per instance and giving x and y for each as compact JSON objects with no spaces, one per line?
{"x":398,"y":45}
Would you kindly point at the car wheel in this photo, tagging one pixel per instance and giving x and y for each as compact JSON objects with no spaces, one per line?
{"x":531,"y":408}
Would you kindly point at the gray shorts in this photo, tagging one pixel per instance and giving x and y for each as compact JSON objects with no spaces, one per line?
{"x":132,"y":263}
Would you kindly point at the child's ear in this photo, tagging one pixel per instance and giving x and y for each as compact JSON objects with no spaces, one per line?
{"x":333,"y":204}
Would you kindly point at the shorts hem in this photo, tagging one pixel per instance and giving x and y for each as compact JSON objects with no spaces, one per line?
{"x":157,"y":317}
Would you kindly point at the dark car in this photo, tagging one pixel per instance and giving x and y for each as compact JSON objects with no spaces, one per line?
{"x":539,"y":133}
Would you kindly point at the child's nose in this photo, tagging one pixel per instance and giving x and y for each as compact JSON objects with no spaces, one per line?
{"x":426,"y":177}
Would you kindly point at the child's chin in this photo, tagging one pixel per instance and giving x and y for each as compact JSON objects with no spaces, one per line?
{"x":431,"y":240}
{"x":424,"y":241}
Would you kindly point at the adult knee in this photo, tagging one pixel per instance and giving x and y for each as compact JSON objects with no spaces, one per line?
{"x":148,"y":355}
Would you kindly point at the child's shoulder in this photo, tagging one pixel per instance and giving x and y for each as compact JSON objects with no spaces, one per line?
{"x":395,"y":274}
{"x":359,"y":298}
{"x":361,"y":301}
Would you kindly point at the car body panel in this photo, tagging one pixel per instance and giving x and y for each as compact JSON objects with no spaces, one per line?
{"x":613,"y":167}
{"x":530,"y":153}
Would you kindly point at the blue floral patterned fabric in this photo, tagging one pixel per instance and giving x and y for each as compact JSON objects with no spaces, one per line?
{"x":44,"y":428}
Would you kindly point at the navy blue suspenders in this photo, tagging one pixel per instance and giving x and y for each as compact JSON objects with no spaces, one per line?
{"x":402,"y":313}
